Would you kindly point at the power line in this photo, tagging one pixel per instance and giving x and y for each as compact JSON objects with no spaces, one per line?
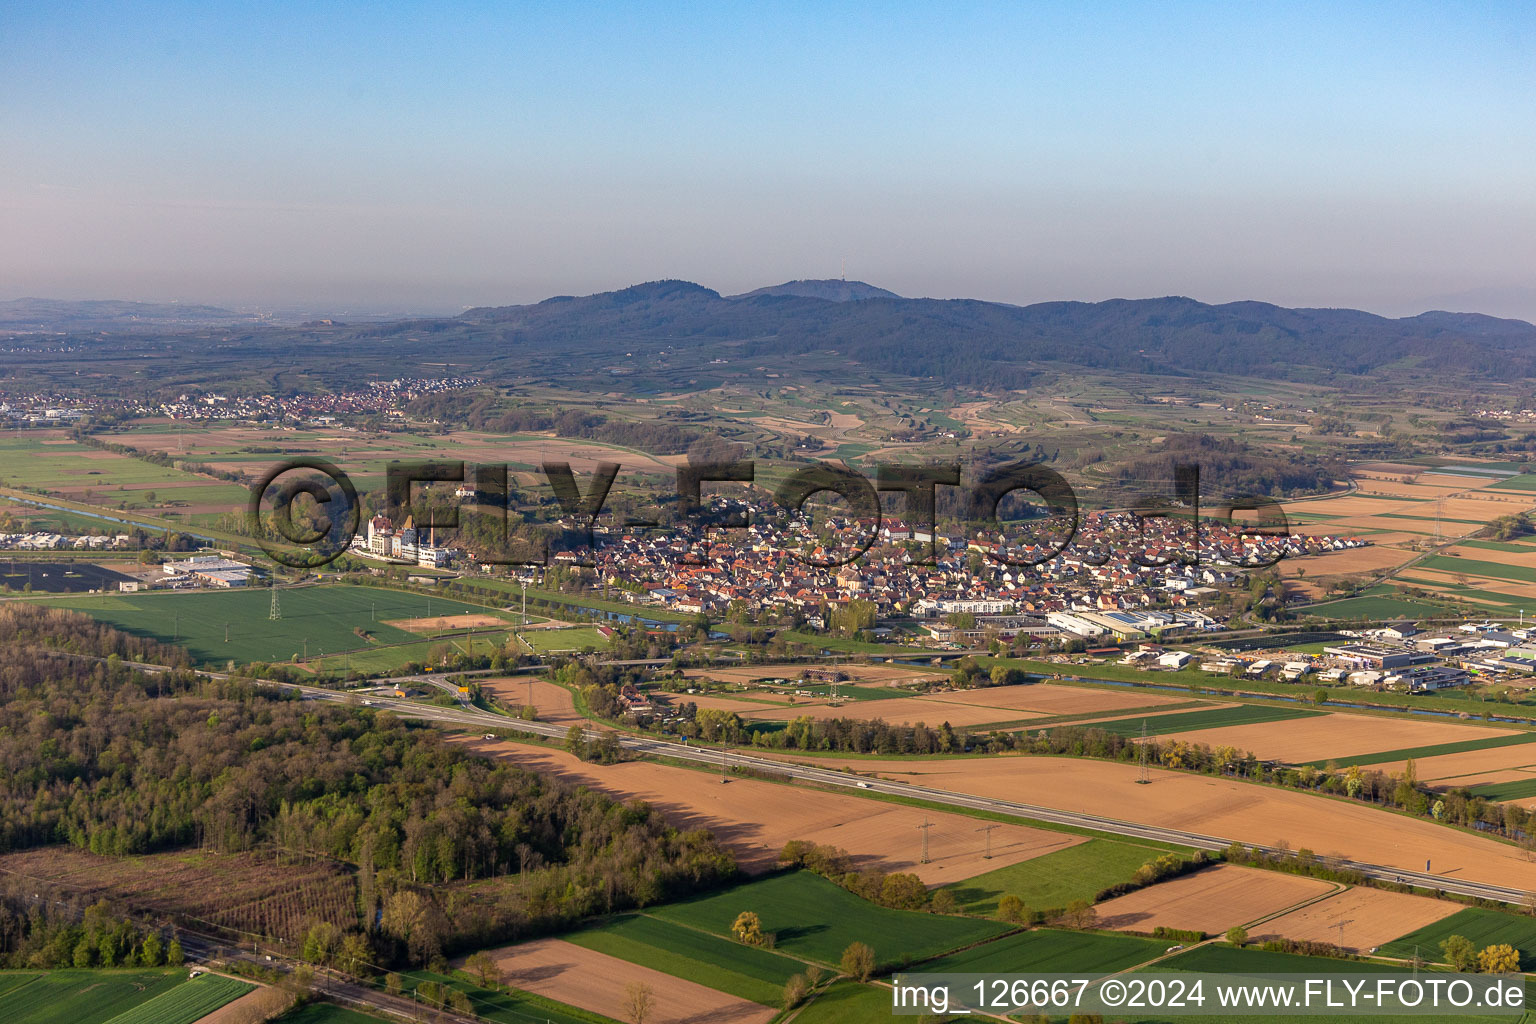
{"x":923,"y":828}
{"x":988,"y":830}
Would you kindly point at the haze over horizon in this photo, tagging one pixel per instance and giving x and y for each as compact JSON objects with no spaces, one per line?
{"x":411,"y":159}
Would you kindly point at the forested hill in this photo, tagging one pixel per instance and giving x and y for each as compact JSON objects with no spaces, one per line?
{"x":975,"y":342}
{"x":665,"y":331}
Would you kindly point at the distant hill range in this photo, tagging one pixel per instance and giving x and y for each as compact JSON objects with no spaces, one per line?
{"x":110,"y":314}
{"x":663,"y":327}
{"x":967,"y":341}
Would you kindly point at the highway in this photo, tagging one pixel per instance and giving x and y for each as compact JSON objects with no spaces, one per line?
{"x":477,"y":719}
{"x":473,"y":718}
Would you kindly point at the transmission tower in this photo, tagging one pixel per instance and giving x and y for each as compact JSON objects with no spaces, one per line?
{"x":988,"y":830}
{"x":923,"y":828}
{"x":1145,"y":775}
{"x":277,"y":607}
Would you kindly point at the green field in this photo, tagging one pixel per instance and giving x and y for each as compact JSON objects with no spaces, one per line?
{"x":1211,"y":718}
{"x":1050,"y":950}
{"x":187,"y":1003}
{"x":86,"y":997}
{"x":509,"y":1006}
{"x":1520,"y":482}
{"x":1477,"y":567}
{"x":817,"y":920}
{"x":1483,"y":927}
{"x":1519,"y":789}
{"x":1375,"y":608}
{"x":1056,"y":879}
{"x":324,"y":616}
{"x":1220,"y":957}
{"x":546,"y":641}
{"x":746,"y":971}
{"x":1428,"y":750}
{"x":16,"y":979}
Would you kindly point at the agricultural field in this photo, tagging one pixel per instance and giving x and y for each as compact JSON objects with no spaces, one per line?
{"x":597,"y":982}
{"x":1338,"y":736}
{"x":1247,"y":812}
{"x":1358,"y":919}
{"x":246,"y":891}
{"x":1210,"y":901}
{"x":899,"y":711}
{"x":816,"y":920}
{"x":86,"y":996}
{"x":186,"y":1003}
{"x":747,"y":972}
{"x":1505,"y":738}
{"x":755,"y":818}
{"x":1048,"y":950}
{"x":1053,"y":698}
{"x":1482,"y":926}
{"x":508,"y":1005}
{"x":1056,"y":879}
{"x":553,"y":701}
{"x":53,"y":462}
{"x":1193,"y":722}
{"x":322,"y":619}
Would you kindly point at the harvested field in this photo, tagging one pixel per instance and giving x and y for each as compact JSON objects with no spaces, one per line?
{"x":1051,"y":698}
{"x":441,"y":623}
{"x":597,"y":982}
{"x":1226,"y":808}
{"x":1369,"y":918}
{"x":1350,"y":560}
{"x":1299,"y":740}
{"x":756,"y":818}
{"x":554,"y":701}
{"x":899,"y":711}
{"x":1450,"y":769}
{"x":1209,"y":901}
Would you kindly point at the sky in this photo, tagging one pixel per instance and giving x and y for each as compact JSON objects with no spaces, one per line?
{"x":392,"y":157}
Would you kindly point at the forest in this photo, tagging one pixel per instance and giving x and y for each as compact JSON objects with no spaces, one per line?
{"x":118,"y":762}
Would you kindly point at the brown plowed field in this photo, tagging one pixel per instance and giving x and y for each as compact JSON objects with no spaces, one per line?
{"x":1370,"y":918}
{"x":1447,"y":768}
{"x":597,"y":982}
{"x":553,"y":701}
{"x":1210,"y":901}
{"x":1052,"y":698}
{"x":757,"y":818}
{"x":1226,"y":808}
{"x":1333,"y":735}
{"x":899,"y":711}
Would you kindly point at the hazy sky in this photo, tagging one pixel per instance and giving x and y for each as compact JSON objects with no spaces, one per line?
{"x":394,"y":156}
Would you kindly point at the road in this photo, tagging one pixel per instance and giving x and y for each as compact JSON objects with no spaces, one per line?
{"x":476,"y":719}
{"x":473,"y":718}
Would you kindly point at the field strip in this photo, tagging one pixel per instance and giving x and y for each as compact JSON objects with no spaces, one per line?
{"x":1430,"y":750}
